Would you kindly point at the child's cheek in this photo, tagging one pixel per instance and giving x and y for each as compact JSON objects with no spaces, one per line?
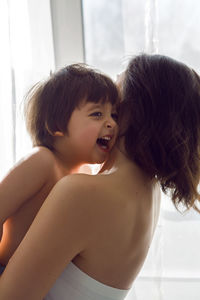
{"x":91,"y":131}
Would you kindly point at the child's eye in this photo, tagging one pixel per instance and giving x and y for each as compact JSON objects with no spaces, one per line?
{"x":97,"y":114}
{"x":114,"y":116}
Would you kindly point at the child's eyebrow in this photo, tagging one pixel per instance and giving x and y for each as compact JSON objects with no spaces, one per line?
{"x":94,"y":106}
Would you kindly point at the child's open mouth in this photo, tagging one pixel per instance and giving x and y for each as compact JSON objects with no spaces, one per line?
{"x":103,"y":142}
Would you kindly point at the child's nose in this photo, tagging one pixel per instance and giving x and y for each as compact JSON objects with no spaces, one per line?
{"x":110,"y":123}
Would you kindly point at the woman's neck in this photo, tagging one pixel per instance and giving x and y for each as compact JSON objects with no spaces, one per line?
{"x":119,"y":162}
{"x":116,"y":160}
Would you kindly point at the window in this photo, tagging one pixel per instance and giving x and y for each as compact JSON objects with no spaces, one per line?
{"x":26,"y":56}
{"x":115,"y":30}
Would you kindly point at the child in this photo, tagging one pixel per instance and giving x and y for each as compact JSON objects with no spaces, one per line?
{"x":71,"y":119}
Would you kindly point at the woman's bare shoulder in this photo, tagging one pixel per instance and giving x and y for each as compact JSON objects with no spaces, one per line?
{"x":80,"y":191}
{"x":82,"y":184}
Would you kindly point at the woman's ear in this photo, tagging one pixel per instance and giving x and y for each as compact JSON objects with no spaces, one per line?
{"x":58,"y":133}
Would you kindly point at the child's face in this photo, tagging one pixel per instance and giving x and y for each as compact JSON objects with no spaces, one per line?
{"x":92,"y":131}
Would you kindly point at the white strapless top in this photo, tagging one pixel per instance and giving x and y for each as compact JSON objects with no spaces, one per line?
{"x":74,"y":284}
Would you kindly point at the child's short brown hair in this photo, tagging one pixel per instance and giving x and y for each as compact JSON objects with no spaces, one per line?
{"x":49,"y":104}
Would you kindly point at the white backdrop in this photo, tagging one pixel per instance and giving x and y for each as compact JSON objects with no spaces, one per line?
{"x":26,"y":56}
{"x":31,"y":46}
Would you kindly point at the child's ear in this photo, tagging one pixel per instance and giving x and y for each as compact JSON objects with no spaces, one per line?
{"x":58,"y":133}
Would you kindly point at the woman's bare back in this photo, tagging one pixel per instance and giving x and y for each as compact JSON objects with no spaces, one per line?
{"x":126,"y":207}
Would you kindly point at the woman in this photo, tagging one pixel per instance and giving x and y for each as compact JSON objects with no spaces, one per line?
{"x":93,"y":232}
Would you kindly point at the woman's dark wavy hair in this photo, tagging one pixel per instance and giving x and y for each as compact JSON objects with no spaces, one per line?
{"x":49,"y":104}
{"x":160,"y":119}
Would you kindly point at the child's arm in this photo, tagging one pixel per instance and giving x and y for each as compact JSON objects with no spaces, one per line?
{"x":60,"y":231}
{"x":23,"y":181}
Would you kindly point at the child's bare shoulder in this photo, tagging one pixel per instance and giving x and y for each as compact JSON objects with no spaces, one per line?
{"x":41,"y":156}
{"x":39,"y":160}
{"x":43,"y":152}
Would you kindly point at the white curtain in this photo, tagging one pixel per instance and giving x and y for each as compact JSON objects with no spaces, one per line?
{"x":115,"y":30}
{"x":26,"y":56}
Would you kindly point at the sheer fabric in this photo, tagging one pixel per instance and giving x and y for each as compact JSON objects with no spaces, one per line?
{"x":26,"y":56}
{"x":114,"y":31}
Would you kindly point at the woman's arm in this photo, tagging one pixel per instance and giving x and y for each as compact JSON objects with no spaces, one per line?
{"x":59,"y":232}
{"x":23,"y":181}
